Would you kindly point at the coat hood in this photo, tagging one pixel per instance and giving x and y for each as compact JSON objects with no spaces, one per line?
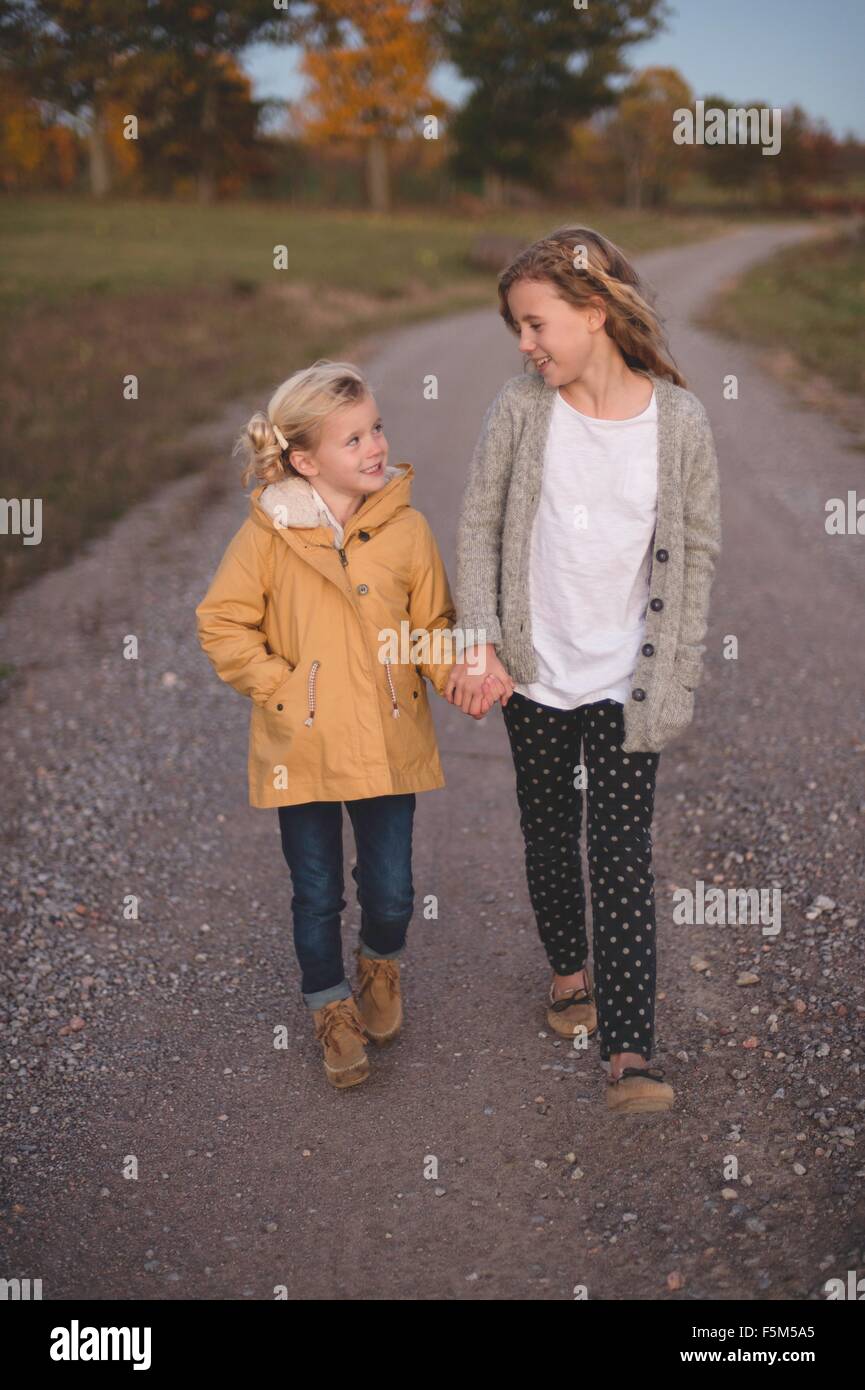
{"x":292,"y":503}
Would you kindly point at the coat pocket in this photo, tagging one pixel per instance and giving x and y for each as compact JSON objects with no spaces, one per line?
{"x":402,"y":687}
{"x":278,"y":700}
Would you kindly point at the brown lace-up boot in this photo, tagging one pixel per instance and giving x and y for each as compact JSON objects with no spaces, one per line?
{"x":339,"y":1029}
{"x":378,"y":997}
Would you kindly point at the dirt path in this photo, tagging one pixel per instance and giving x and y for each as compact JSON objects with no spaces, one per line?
{"x":152,"y":1039}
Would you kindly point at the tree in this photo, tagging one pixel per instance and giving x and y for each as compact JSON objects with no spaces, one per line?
{"x":75,"y":52}
{"x":200,"y":35}
{"x":368,"y":62}
{"x":641,"y":132}
{"x":66,"y":50}
{"x":167,"y":100}
{"x":809,"y":155}
{"x":536,"y":68}
{"x":35,"y":152}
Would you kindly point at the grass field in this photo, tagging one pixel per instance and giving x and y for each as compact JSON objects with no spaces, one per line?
{"x":809,"y":301}
{"x":57,"y":249}
{"x":187,"y":299}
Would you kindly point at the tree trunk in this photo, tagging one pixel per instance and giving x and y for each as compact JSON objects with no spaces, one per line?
{"x":377,"y":174}
{"x":494,"y":188}
{"x":634,"y":180}
{"x":97,"y":151}
{"x":207,"y":171}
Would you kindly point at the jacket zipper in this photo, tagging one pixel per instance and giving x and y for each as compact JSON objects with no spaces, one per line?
{"x":395,"y":712}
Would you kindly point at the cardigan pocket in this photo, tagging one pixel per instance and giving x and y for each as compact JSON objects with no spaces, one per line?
{"x":687,"y":667}
{"x":675,"y":712}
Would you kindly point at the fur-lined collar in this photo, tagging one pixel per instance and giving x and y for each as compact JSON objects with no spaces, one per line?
{"x":297,"y":502}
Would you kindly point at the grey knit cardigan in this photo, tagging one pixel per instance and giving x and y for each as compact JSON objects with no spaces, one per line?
{"x":493,"y":549}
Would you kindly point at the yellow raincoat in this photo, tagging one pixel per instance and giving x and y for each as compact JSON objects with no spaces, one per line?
{"x":301,"y":627}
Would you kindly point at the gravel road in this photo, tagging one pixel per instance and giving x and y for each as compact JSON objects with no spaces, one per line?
{"x":157,"y":1144}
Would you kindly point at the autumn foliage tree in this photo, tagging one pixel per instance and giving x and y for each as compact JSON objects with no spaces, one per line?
{"x":640,"y":132}
{"x":171,"y":149}
{"x":203,"y":39}
{"x":66,"y":51}
{"x":76,"y":55}
{"x":35,"y":151}
{"x":368,"y":64}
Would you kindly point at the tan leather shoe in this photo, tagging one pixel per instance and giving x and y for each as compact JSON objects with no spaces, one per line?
{"x":340,"y":1031}
{"x":575,"y":1010}
{"x":638,"y":1090}
{"x":378,"y":997}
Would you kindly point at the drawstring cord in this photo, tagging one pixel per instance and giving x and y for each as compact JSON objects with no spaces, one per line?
{"x":313,"y":670}
{"x":395,"y":710}
{"x":311,"y":691}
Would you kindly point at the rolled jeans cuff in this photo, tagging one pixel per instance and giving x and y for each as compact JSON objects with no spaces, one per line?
{"x":327,"y":996}
{"x":379,"y":955}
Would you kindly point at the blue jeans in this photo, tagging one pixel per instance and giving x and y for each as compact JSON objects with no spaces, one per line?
{"x":312,"y":845}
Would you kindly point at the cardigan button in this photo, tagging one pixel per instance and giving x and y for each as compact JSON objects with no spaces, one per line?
{"x":363,"y":535}
{"x":662,"y":555}
{"x":279,"y":707}
{"x":638,"y":694}
{"x":648,"y":649}
{"x":656,"y":604}
{"x":363,"y":588}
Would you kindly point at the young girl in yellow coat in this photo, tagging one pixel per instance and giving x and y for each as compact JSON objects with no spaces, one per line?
{"x":329,"y":607}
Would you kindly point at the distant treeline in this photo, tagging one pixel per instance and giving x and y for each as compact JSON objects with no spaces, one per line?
{"x":150,"y":97}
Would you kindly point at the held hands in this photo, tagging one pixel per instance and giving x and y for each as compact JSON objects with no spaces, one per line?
{"x":476,"y":690}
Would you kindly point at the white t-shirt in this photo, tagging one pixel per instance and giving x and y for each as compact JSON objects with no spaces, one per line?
{"x":591,"y":555}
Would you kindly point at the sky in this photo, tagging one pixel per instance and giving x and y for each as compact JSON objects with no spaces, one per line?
{"x":773,"y":51}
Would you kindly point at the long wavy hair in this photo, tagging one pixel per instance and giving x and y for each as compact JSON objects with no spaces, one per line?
{"x":581,"y":264}
{"x":298,"y":408}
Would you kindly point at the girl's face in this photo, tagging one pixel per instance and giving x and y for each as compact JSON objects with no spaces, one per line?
{"x":557,"y":335}
{"x":352,"y":451}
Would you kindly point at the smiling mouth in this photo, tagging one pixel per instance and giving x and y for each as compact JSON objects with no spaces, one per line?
{"x":542,"y":361}
{"x":376,"y":468}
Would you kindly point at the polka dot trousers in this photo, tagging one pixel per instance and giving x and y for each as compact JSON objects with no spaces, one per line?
{"x":620,"y":795}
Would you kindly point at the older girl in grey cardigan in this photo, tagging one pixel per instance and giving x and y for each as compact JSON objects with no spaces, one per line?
{"x":587,"y":540}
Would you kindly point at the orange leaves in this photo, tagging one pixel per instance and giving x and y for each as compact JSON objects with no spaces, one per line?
{"x":376,"y":80}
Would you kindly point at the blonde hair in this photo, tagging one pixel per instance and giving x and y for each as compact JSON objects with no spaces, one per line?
{"x":631,"y":322}
{"x":298,"y":409}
